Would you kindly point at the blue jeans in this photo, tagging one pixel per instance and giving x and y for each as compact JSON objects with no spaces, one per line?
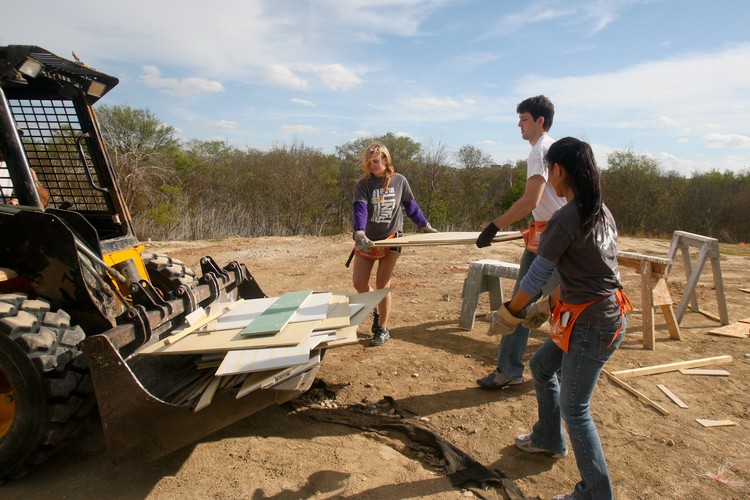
{"x":564,"y":383}
{"x":513,"y":346}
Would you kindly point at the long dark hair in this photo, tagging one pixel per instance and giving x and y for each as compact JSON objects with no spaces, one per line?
{"x":577,"y":158}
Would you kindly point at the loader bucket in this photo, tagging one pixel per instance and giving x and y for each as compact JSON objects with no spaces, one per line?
{"x":139,"y":426}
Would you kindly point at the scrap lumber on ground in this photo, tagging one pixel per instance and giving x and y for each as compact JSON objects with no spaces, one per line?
{"x":670,"y":367}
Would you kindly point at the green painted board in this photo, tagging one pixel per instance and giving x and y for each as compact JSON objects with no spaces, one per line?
{"x":278,"y":314}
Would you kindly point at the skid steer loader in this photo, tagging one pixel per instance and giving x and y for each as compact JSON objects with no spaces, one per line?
{"x":78,"y":293}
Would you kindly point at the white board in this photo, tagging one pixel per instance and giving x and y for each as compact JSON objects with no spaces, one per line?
{"x":315,"y":307}
{"x":243,"y":314}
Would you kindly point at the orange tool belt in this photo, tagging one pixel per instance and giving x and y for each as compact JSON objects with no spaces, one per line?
{"x":533,"y":235}
{"x":566,"y":315}
{"x":375,"y":253}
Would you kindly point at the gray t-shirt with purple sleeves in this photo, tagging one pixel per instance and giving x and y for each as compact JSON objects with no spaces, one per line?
{"x":385,"y":214}
{"x":587,"y":264}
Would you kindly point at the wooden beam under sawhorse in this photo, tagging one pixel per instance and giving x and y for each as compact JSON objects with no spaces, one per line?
{"x":654,"y":291}
{"x":709,"y":249}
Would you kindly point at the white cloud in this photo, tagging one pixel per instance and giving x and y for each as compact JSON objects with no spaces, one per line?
{"x":727,"y":141}
{"x":301,"y":102}
{"x":222,"y":125}
{"x":186,"y":87}
{"x":362,"y":133}
{"x":299,"y":129}
{"x":281,"y":75}
{"x":337,"y":77}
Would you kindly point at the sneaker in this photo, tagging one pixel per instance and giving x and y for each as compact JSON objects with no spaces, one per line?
{"x":375,"y":321}
{"x":380,"y":336}
{"x":498,"y":380}
{"x":524,"y":443}
{"x":564,"y":496}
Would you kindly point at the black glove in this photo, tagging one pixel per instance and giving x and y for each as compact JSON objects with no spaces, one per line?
{"x":487,"y":235}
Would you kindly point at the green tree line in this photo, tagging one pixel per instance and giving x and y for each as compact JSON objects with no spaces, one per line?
{"x":211,"y":190}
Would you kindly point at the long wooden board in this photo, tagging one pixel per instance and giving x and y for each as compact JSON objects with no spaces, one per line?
{"x":448,"y":238}
{"x":231,"y":340}
{"x":635,"y":392}
{"x":670,"y":367}
{"x":277,"y":315}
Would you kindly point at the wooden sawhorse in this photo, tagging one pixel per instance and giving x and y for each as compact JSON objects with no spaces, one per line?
{"x":709,"y":249}
{"x":654,"y":291}
{"x":484,"y":276}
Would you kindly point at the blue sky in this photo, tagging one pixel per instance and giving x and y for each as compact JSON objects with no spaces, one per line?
{"x":665,"y":78}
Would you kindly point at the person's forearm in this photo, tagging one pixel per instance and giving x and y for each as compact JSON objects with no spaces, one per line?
{"x":520,"y":209}
{"x":518,"y":302}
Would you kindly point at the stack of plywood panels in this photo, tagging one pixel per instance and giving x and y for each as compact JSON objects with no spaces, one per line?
{"x":263,"y":343}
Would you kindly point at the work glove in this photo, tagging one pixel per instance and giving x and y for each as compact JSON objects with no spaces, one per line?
{"x":362,"y":242}
{"x":502,"y":321}
{"x":537,"y":313}
{"x":427,"y":229}
{"x":487,"y":235}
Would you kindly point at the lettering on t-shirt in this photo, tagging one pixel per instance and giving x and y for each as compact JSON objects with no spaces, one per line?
{"x":384,"y":206}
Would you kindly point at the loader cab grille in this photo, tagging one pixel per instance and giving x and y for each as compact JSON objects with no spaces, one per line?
{"x":51,"y":137}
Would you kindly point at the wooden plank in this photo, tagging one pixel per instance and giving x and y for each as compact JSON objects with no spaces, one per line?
{"x":671,"y":395}
{"x":706,"y":422}
{"x":670,"y":367}
{"x":187,"y":331}
{"x":447,"y":238}
{"x":703,"y":371}
{"x":738,"y":330}
{"x":208,"y":394}
{"x":231,"y":340}
{"x":659,"y":265}
{"x":277,"y":315}
{"x":632,"y":390}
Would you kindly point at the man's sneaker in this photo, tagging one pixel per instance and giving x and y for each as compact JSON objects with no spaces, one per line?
{"x":498,"y":380}
{"x":524,"y":443}
{"x":380,"y":336}
{"x":375,"y":321}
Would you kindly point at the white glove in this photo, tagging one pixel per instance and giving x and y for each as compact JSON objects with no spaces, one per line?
{"x":537,"y":313}
{"x":502,"y":321}
{"x":362,"y":242}
{"x":427,"y":229}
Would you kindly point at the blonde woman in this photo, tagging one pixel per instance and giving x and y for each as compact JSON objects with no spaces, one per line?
{"x":381,"y":198}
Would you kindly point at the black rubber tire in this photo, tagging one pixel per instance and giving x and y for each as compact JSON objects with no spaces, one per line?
{"x":167,"y":273}
{"x":46,"y":377}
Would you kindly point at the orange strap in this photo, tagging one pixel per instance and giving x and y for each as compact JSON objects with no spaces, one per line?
{"x":566,"y":315}
{"x":533,"y":235}
{"x":375,"y":253}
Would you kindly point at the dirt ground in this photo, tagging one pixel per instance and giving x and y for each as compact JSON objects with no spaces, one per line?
{"x":429,"y":367}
